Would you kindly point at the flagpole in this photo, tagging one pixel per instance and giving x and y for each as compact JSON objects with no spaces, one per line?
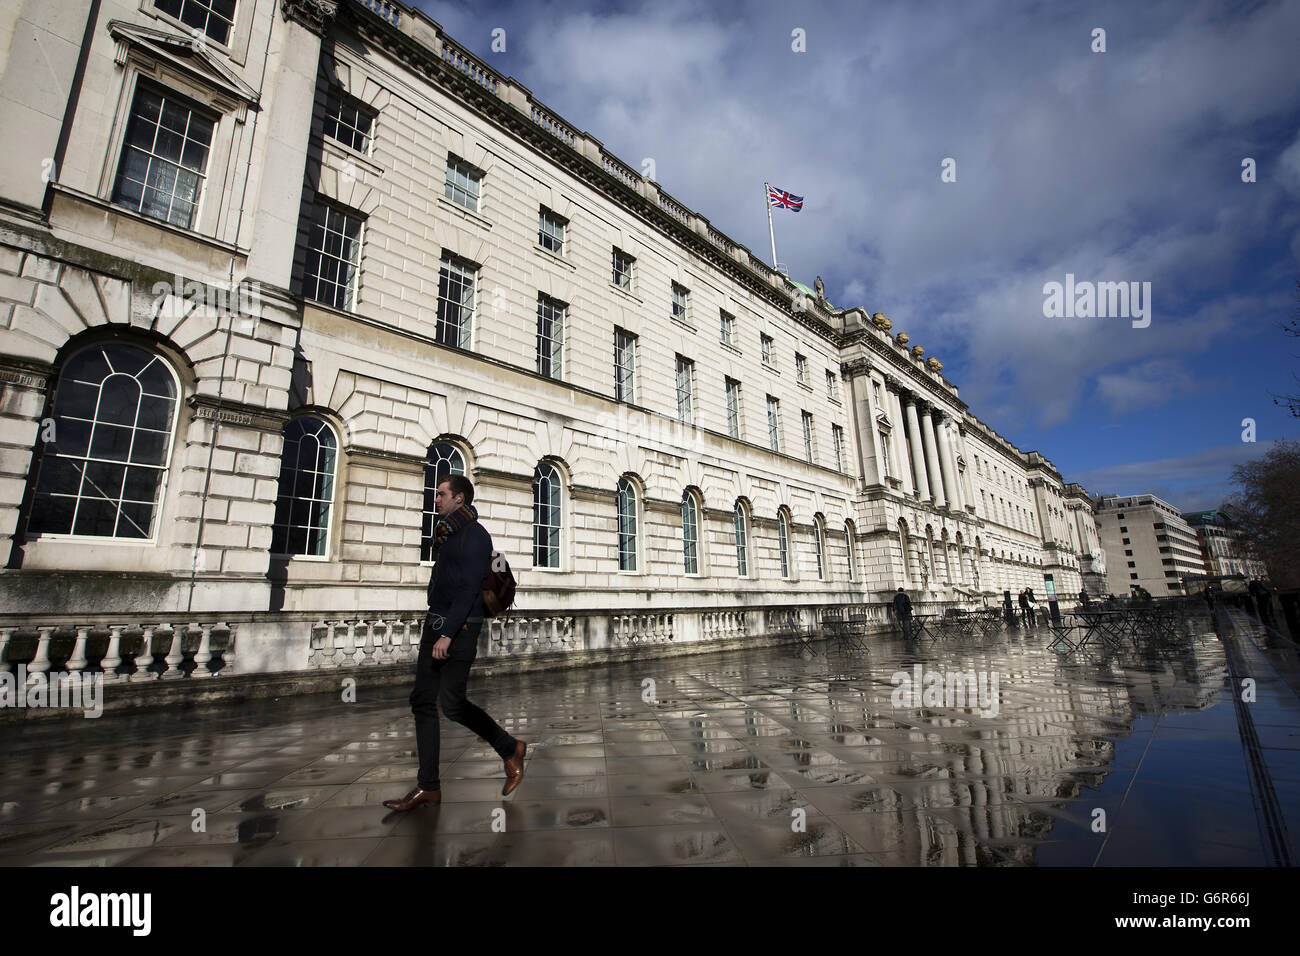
{"x":767,"y":200}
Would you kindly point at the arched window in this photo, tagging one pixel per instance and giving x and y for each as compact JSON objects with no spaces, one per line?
{"x":783,"y":542}
{"x":104,"y":471}
{"x":627,"y":549}
{"x":819,"y":539}
{"x":849,"y":543}
{"x":302,"y":507}
{"x":546,"y":516}
{"x":690,"y":534}
{"x":742,"y":541}
{"x":443,"y":459}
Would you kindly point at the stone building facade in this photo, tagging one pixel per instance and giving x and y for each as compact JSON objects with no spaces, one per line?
{"x":269,"y":269}
{"x":1224,"y":551}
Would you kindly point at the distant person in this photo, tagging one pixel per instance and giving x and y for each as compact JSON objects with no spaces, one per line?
{"x":1025,"y":617}
{"x":1083,"y":599}
{"x":903,"y":611}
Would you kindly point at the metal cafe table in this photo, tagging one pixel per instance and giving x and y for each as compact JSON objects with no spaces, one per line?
{"x":919,"y":627}
{"x":1101,"y":625}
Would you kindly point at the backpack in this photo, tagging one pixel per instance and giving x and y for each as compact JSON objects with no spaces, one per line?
{"x":499,"y":594}
{"x":499,"y":588}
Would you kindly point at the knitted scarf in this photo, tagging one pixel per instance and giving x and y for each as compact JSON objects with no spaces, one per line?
{"x":445,"y":527}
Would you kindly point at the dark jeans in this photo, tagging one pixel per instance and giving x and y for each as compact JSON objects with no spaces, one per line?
{"x":442,"y":683}
{"x":905,"y":620}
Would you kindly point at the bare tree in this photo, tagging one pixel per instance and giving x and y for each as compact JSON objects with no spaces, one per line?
{"x":1292,"y":328}
{"x":1268,"y":510}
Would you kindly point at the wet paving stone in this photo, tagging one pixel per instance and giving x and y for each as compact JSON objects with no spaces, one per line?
{"x":747,"y":757}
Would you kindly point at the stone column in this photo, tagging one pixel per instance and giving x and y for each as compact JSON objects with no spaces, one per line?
{"x":897,"y":443}
{"x":931,"y":454}
{"x":918,"y":457}
{"x":857,"y":373}
{"x":948,"y":462}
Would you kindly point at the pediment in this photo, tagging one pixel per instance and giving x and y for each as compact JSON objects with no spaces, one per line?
{"x":186,"y":53}
{"x":883,"y":421}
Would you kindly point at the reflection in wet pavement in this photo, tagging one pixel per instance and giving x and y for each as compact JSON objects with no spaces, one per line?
{"x":742,"y":757}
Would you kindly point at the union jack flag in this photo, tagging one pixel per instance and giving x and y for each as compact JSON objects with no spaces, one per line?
{"x":783,"y":200}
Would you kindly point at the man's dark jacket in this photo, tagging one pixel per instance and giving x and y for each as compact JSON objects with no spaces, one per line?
{"x":456,"y":586}
{"x":902,"y":604}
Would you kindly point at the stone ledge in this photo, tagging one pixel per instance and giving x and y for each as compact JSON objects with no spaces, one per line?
{"x":228,"y":689}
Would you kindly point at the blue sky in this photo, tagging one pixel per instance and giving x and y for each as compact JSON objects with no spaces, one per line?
{"x":1116,"y":165}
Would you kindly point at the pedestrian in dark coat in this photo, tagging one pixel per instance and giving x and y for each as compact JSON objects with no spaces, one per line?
{"x":903,"y":611}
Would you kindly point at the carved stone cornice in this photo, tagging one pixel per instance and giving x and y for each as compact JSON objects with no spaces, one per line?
{"x":26,"y":374}
{"x":855,"y":368}
{"x":589,"y":493}
{"x":316,"y":15}
{"x":498,"y":477}
{"x":412,"y":463}
{"x":237,"y":413}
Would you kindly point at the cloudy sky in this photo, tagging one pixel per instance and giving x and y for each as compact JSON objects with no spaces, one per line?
{"x":1122,"y":165}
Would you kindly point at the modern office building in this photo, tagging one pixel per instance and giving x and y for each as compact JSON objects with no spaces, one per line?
{"x":270,"y":268}
{"x":1149,"y":544}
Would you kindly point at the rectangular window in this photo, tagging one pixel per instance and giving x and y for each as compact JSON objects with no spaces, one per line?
{"x":623,"y":264}
{"x":456,"y":282}
{"x":624,"y":366}
{"x":765,"y":345}
{"x":832,"y":388}
{"x":550,"y":231}
{"x":214,"y":18}
{"x":1126,"y":541}
{"x":681,"y":300}
{"x":463,"y":183}
{"x":801,"y":368}
{"x":884,"y":458}
{"x":685,"y":395}
{"x":164,"y":158}
{"x":773,"y":424}
{"x":733,"y":408}
{"x":837,"y":439}
{"x":550,"y":336}
{"x":333,"y":254}
{"x":728,"y":322}
{"x":348,"y":121}
{"x":808,"y":436}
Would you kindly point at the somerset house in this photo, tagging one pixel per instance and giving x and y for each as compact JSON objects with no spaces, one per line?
{"x":270,"y":268}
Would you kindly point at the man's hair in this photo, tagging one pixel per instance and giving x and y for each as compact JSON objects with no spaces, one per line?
{"x":900,"y":589}
{"x":460,"y":485}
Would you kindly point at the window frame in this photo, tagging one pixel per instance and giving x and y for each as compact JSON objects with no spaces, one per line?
{"x":555,"y":531}
{"x":555,"y":358}
{"x":465,"y":334}
{"x":345,"y":100}
{"x":331,"y":512}
{"x":215,"y":111}
{"x":352,"y":288}
{"x":548,"y":240}
{"x":626,"y":490}
{"x":685,"y":395}
{"x":624,"y":373}
{"x":35,"y":539}
{"x":629,"y":287}
{"x":691,"y":540}
{"x":473,"y":175}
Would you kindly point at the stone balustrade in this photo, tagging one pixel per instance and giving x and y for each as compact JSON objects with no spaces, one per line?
{"x":134,"y":651}
{"x":630,"y":630}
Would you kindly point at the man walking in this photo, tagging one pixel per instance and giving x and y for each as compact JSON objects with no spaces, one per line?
{"x":1024,"y":610}
{"x":903,"y":611}
{"x":449,"y":643}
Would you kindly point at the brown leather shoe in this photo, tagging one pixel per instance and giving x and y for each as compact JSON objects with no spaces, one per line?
{"x":416,"y":798}
{"x":514,"y":769}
